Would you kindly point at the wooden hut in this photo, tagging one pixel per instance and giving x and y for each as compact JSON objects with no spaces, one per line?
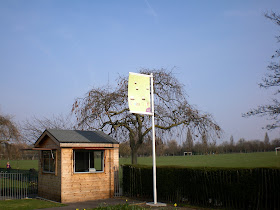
{"x":76,"y":165}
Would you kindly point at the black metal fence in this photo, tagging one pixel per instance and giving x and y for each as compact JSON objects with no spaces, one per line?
{"x":118,"y":181}
{"x":18,"y":184}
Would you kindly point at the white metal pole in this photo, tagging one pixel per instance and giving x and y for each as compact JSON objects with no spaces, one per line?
{"x":154,"y":141}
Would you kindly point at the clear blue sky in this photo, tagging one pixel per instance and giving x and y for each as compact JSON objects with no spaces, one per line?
{"x":54,"y":51}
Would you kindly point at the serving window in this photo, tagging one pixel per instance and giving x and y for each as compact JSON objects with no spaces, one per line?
{"x":88,"y":161}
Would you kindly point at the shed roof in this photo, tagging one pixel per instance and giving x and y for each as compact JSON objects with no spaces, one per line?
{"x":78,"y":136}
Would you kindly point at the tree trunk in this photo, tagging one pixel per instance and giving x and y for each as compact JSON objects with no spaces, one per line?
{"x":135,"y":143}
{"x":134,"y":155}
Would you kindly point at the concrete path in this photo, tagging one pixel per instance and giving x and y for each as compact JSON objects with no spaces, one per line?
{"x":110,"y":202}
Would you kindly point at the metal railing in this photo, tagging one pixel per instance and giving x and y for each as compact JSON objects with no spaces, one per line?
{"x":18,"y":185}
{"x":118,"y":181}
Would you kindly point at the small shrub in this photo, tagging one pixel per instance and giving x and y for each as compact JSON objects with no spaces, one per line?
{"x":120,"y":207}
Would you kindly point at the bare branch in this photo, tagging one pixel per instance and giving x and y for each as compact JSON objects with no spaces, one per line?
{"x":271,"y":80}
{"x":8,"y":130}
{"x":33,"y":127}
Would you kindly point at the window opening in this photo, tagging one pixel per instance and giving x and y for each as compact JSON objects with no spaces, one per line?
{"x":88,"y":161}
{"x":48,"y":161}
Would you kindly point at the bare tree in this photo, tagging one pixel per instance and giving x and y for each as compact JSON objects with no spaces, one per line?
{"x":8,"y":130}
{"x":241,"y":145}
{"x":198,"y":148}
{"x":160,"y":146}
{"x":124,"y":149}
{"x":9,"y":134}
{"x":204,"y":141}
{"x":271,"y":80}
{"x":32,"y":128}
{"x":266,"y":142}
{"x":188,"y":144}
{"x":172,"y":147}
{"x":106,"y":109}
{"x":213,"y":147}
{"x":231,"y":143}
{"x":231,"y":140}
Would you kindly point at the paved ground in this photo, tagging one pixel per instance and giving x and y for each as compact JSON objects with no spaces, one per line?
{"x":109,"y":202}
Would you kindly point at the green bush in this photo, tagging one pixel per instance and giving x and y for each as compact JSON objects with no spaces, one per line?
{"x":215,"y":187}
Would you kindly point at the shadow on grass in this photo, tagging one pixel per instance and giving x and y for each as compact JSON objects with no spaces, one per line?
{"x":27,"y":204}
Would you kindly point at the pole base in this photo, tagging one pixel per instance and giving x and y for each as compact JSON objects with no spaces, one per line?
{"x":156,"y":204}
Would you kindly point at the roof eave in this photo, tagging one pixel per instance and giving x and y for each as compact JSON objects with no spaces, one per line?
{"x":46,"y":133}
{"x":88,"y":145}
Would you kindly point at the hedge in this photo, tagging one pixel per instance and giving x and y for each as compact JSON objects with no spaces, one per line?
{"x":257,"y":188}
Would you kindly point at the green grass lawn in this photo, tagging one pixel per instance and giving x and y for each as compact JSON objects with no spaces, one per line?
{"x":236,"y":160}
{"x":27,"y":204}
{"x":120,"y":207}
{"x":20,"y":164}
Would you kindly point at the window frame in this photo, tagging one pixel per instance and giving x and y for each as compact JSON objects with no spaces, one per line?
{"x":89,"y":151}
{"x":52,"y":153}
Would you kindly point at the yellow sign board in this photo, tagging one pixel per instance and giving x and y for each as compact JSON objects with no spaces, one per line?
{"x":139,"y":97}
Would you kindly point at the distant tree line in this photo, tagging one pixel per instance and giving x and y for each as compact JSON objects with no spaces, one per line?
{"x":201,"y":147}
{"x":17,"y":140}
{"x":17,"y":151}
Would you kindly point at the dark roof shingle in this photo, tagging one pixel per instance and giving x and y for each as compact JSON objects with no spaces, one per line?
{"x":77,"y":136}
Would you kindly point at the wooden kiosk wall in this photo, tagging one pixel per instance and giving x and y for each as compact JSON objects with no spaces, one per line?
{"x":66,"y":186}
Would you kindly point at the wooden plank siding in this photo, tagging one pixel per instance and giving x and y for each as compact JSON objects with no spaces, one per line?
{"x":86,"y":186}
{"x":49,"y":184}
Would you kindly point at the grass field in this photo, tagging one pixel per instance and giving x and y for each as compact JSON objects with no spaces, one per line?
{"x":20,"y":164}
{"x":235,"y":160}
{"x":27,"y":204}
